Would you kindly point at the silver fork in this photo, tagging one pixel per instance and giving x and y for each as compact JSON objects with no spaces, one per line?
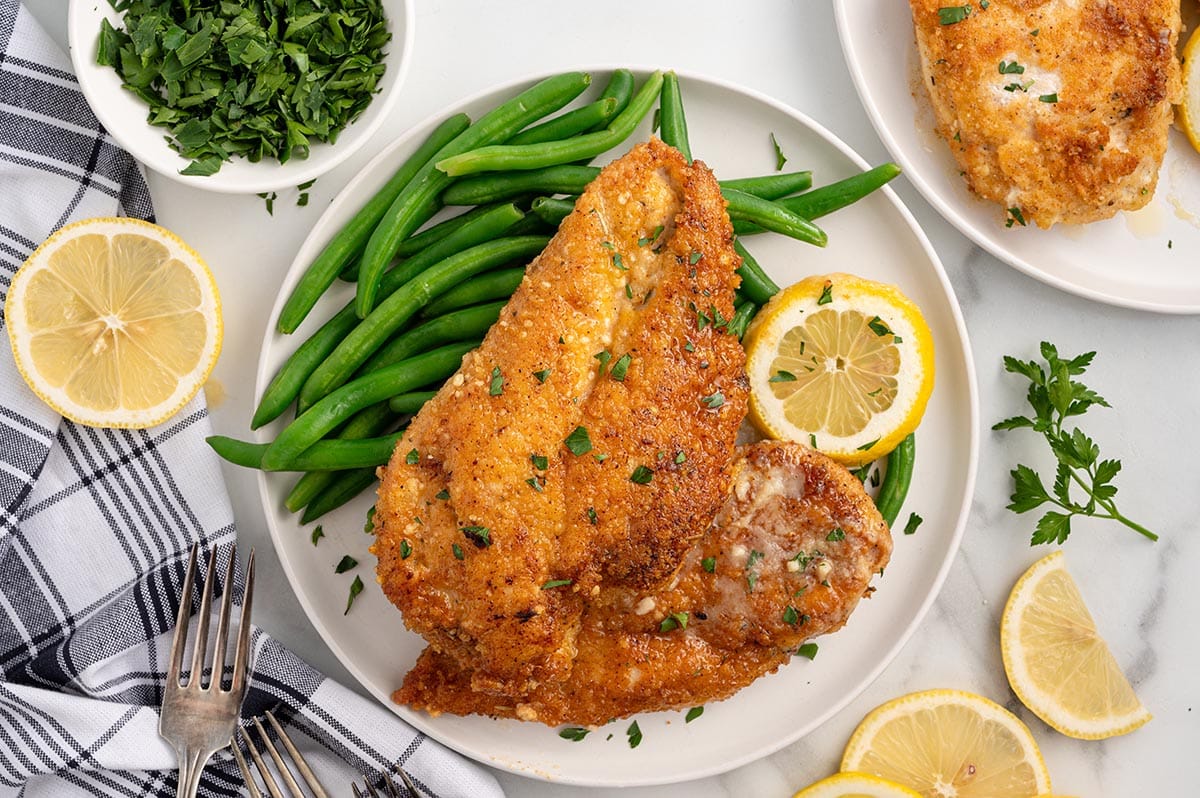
{"x":284,"y":772}
{"x":389,"y":787}
{"x":197,"y":718}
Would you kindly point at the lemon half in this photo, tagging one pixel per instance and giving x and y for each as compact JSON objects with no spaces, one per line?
{"x":1056,"y":661}
{"x":841,"y":363}
{"x":949,"y":744}
{"x":114,"y":322}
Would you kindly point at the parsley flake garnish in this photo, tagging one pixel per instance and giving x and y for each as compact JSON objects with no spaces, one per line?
{"x":603,"y":357}
{"x":952,"y":15}
{"x":783,"y":376}
{"x":866,"y":447}
{"x":1013,"y":68}
{"x":591,"y":514}
{"x":879,"y":327}
{"x":695,"y":257}
{"x":826,"y":294}
{"x":345,"y":564}
{"x":790,"y":616}
{"x":689,"y":346}
{"x":1015,"y":215}
{"x":481,"y":536}
{"x":751,"y":574}
{"x":676,"y":620}
{"x":635,"y":735}
{"x":574,"y":733}
{"x":413,"y":457}
{"x":578,"y":442}
{"x":317,"y":534}
{"x":1049,"y":98}
{"x":553,"y":583}
{"x":780,"y":158}
{"x":496,"y":387}
{"x":542,"y":375}
{"x":914,"y":521}
{"x":641,"y":475}
{"x":621,"y":367}
{"x":442,"y":494}
{"x":534,"y":483}
{"x":356,"y":587}
{"x":714,"y":400}
{"x":369,"y":526}
{"x":692,"y":714}
{"x":835,"y":535}
{"x":808,"y":651}
{"x":457,"y":549}
{"x":680,"y":458}
{"x":709,"y":564}
{"x":405,"y":549}
{"x":540,"y":461}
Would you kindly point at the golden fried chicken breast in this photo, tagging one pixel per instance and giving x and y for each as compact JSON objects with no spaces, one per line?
{"x":788,"y":556}
{"x":1056,"y":108}
{"x":586,"y":441}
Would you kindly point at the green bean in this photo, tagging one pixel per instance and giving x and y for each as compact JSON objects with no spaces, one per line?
{"x":500,"y":157}
{"x":619,"y":88}
{"x":461,"y":325}
{"x":434,"y":233}
{"x":771,"y":187}
{"x":570,"y":123}
{"x":552,"y":210}
{"x":672,"y":122}
{"x":773,"y":216}
{"x":405,"y":214}
{"x":402,"y":305}
{"x":410,"y":403}
{"x":827,"y":199}
{"x":498,"y":284}
{"x":756,"y":284}
{"x":502,"y":186}
{"x":897,"y":480}
{"x":350,"y":240}
{"x":374,"y":420}
{"x":331,"y":455}
{"x":325,"y":415}
{"x":345,"y":486}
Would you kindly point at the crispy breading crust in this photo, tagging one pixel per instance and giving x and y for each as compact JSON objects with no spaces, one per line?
{"x":1097,"y":150}
{"x":601,"y":285}
{"x":787,"y":504}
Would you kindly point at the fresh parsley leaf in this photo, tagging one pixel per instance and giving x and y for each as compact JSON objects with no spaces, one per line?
{"x":1015,"y":215}
{"x":952,"y":15}
{"x":574,"y":733}
{"x":1049,"y":98}
{"x":808,"y":651}
{"x":835,"y":535}
{"x":578,"y":442}
{"x":413,"y":457}
{"x":442,"y":494}
{"x":714,"y":400}
{"x":1011,"y":68}
{"x":634,"y":734}
{"x":317,"y":534}
{"x":542,"y":375}
{"x":914,"y":521}
{"x":405,"y":549}
{"x":780,"y":158}
{"x":457,"y":550}
{"x":709,"y":564}
{"x":621,"y":367}
{"x":826,"y":294}
{"x":496,"y":386}
{"x":356,"y":587}
{"x":540,"y":461}
{"x":1055,"y":396}
{"x":790,"y":616}
{"x":481,"y":536}
{"x":676,"y":620}
{"x":345,"y":564}
{"x":641,"y":475}
{"x":553,"y":583}
{"x":692,"y":714}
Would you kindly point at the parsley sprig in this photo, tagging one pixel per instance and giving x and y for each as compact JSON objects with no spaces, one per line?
{"x":1055,"y":397}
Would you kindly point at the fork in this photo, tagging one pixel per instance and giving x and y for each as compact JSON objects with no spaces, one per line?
{"x":197,"y":718}
{"x":264,"y":773}
{"x":389,"y":787}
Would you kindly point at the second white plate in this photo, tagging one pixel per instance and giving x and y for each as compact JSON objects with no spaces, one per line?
{"x":877,"y":238}
{"x":1140,"y":260}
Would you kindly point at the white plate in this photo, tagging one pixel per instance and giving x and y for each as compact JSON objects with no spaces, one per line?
{"x":123,"y":114}
{"x":1140,"y":260}
{"x":729,"y":129}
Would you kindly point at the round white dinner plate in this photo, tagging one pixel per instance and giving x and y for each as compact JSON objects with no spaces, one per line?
{"x":123,"y":114}
{"x":1143,"y":259}
{"x":730,"y":129}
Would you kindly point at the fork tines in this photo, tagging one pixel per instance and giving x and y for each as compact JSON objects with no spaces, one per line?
{"x":241,"y":654}
{"x":389,"y":786}
{"x":285,"y":773}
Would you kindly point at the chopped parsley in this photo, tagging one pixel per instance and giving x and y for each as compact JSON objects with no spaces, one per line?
{"x":553,"y":583}
{"x":780,"y":158}
{"x":1049,"y":98}
{"x":808,"y":651}
{"x":574,"y":733}
{"x":369,"y":526}
{"x":405,"y":549}
{"x":496,"y":386}
{"x":413,"y":457}
{"x":1011,"y":68}
{"x":356,"y":587}
{"x":621,"y":367}
{"x":457,"y":549}
{"x":680,"y":458}
{"x":709,"y":564}
{"x":952,"y":15}
{"x":835,"y":535}
{"x":676,"y":620}
{"x":635,"y":735}
{"x":534,"y":483}
{"x":540,"y":461}
{"x":603,"y":357}
{"x":1015,"y":215}
{"x":317,"y":534}
{"x":345,"y":564}
{"x":481,"y":536}
{"x":783,"y":376}
{"x":826,"y":294}
{"x":695,"y":257}
{"x":591,"y":514}
{"x":442,"y":494}
{"x":751,"y":574}
{"x":790,"y":616}
{"x":542,"y":375}
{"x":578,"y":442}
{"x":692,"y":714}
{"x":879,"y":327}
{"x":641,"y":475}
{"x":914,"y":521}
{"x":714,"y":400}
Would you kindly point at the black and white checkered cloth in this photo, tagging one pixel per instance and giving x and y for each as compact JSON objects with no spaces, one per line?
{"x":96,"y":525}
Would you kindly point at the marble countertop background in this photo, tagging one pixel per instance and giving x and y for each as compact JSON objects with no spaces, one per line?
{"x":1148,"y":367}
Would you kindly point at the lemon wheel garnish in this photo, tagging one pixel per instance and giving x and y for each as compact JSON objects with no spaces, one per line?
{"x":856,"y":785}
{"x":1057,"y":664}
{"x":949,"y":744}
{"x":1189,"y":108}
{"x":842,"y":364}
{"x":114,"y":322}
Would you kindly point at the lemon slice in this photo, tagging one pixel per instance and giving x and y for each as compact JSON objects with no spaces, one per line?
{"x":856,"y":785}
{"x":114,"y":322}
{"x":1056,"y":662}
{"x":949,"y":744}
{"x":841,"y":363}
{"x":1189,"y":109}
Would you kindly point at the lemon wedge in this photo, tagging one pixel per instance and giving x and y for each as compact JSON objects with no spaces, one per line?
{"x":841,"y":363}
{"x":1057,"y":664}
{"x":114,"y":322}
{"x":949,"y":744}
{"x":1189,"y":108}
{"x":856,"y":785}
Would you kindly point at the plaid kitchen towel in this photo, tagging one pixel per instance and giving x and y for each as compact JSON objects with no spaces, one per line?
{"x":96,"y":525}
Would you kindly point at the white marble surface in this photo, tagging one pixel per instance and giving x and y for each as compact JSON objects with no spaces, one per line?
{"x":1148,"y":367}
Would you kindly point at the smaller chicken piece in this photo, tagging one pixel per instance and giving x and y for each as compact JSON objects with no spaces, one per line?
{"x":789,"y":555}
{"x":1057,"y":109}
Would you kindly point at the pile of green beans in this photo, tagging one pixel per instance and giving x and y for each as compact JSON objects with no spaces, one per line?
{"x":427,"y":290}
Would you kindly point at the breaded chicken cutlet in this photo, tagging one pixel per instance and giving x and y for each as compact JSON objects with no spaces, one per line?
{"x":787,"y":558}
{"x":587,"y":440}
{"x":1056,"y":109}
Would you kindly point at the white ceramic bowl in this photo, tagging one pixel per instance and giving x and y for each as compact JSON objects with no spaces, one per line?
{"x":124,"y":115}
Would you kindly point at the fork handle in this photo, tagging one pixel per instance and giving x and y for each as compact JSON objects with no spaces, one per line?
{"x":191,"y":765}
